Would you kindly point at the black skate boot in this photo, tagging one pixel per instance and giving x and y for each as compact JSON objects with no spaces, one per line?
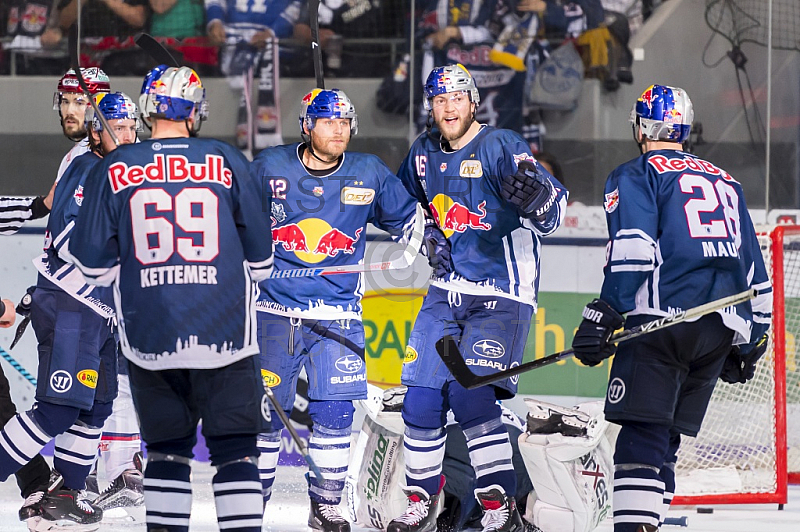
{"x":499,"y":512}
{"x":326,"y":518}
{"x":61,"y":509}
{"x":123,"y":499}
{"x":421,"y":513}
{"x":31,"y":508}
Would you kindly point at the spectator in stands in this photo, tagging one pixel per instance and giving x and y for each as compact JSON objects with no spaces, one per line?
{"x":177,"y":18}
{"x":355,"y":19}
{"x":31,"y":25}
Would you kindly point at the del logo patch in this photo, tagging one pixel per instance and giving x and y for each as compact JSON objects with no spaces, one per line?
{"x":357,"y":196}
{"x":612,"y":201}
{"x":471,"y":169}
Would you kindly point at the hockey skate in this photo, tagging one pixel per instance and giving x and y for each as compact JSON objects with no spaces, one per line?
{"x":421,"y":513}
{"x":499,"y":511}
{"x":327,"y":518}
{"x":60,"y":510}
{"x":123,"y":499}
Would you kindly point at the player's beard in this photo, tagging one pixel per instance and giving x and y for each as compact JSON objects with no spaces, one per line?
{"x":74,"y":132}
{"x":451,"y":134}
{"x":327,"y":151}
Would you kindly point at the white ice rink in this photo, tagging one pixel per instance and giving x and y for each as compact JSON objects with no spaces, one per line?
{"x":288,"y":510}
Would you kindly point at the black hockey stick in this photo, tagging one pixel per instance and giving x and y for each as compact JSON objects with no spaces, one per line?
{"x":155,"y":49}
{"x":316,"y":50}
{"x":301,"y":448}
{"x":76,"y":66}
{"x":450,"y":354}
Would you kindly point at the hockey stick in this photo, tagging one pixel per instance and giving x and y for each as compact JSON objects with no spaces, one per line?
{"x":76,"y":66}
{"x":155,"y":49}
{"x":17,"y":366}
{"x":404,"y":261}
{"x":301,"y":448}
{"x":450,"y":354}
{"x":316,"y":51}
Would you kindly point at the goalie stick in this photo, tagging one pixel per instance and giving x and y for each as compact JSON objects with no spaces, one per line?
{"x":404,"y":261}
{"x":76,"y":66}
{"x":450,"y":354}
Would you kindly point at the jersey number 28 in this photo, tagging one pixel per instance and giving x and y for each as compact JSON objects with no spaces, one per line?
{"x":713,"y":195}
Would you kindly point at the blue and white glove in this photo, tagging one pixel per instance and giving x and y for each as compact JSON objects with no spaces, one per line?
{"x":530,"y":191}
{"x":437,"y":249}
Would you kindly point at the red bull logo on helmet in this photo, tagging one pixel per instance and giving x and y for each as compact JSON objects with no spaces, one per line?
{"x":647,"y":97}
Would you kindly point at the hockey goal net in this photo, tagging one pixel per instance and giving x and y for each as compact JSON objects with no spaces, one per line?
{"x":744,"y":452}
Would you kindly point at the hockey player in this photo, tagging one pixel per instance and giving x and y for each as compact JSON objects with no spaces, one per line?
{"x":77,"y":348}
{"x":492,"y":203}
{"x":323,"y":198}
{"x":680,"y":236}
{"x":178,"y":224}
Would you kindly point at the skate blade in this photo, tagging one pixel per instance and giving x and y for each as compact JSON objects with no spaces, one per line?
{"x":37,"y":524}
{"x":128,"y":515}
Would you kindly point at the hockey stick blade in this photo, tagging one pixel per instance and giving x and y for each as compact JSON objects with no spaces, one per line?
{"x":76,"y":66}
{"x":404,"y":261}
{"x":316,"y":50}
{"x":155,"y":49}
{"x":17,"y":366}
{"x":450,"y":353}
{"x":301,"y":448}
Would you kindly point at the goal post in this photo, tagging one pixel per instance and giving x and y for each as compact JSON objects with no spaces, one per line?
{"x":748,"y":448}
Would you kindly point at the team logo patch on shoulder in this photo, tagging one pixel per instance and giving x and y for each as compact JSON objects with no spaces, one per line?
{"x":410,"y":356}
{"x":519,"y":157}
{"x":88,"y":377}
{"x":443,"y":167}
{"x":357,"y":196}
{"x":612,"y":201}
{"x":471,"y":169}
{"x":78,"y":195}
{"x":270,"y":379}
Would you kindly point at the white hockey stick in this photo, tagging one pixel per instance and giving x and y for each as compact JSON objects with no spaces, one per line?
{"x":403,"y":261}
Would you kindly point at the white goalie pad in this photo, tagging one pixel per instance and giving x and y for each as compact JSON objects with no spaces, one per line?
{"x":570,"y":462}
{"x":376,"y":472}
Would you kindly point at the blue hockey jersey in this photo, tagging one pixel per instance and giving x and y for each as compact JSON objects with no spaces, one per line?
{"x":321,"y":221}
{"x":242,"y":18}
{"x":493,"y":250}
{"x":53,"y":269}
{"x":680,"y":236}
{"x":183,"y":230}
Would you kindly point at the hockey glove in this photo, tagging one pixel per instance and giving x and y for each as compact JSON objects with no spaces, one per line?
{"x":530,"y":191}
{"x":740,"y":365}
{"x":437,"y":249}
{"x":591,"y":343}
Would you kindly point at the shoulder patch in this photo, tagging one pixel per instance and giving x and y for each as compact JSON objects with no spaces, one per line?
{"x":612,"y":201}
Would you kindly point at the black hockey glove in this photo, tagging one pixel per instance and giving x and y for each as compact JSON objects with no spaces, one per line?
{"x":530,"y":191}
{"x":437,"y":249}
{"x":591,"y":345}
{"x":740,"y":365}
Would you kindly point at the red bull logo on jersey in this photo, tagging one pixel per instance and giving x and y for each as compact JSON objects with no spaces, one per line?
{"x":170,"y":169}
{"x":34,"y":18}
{"x":663,"y":164}
{"x":78,"y":195}
{"x":312,"y":239}
{"x":455,"y":217}
{"x":611,"y":201}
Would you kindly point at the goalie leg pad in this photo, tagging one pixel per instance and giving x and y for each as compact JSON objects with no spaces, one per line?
{"x":571,"y":474}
